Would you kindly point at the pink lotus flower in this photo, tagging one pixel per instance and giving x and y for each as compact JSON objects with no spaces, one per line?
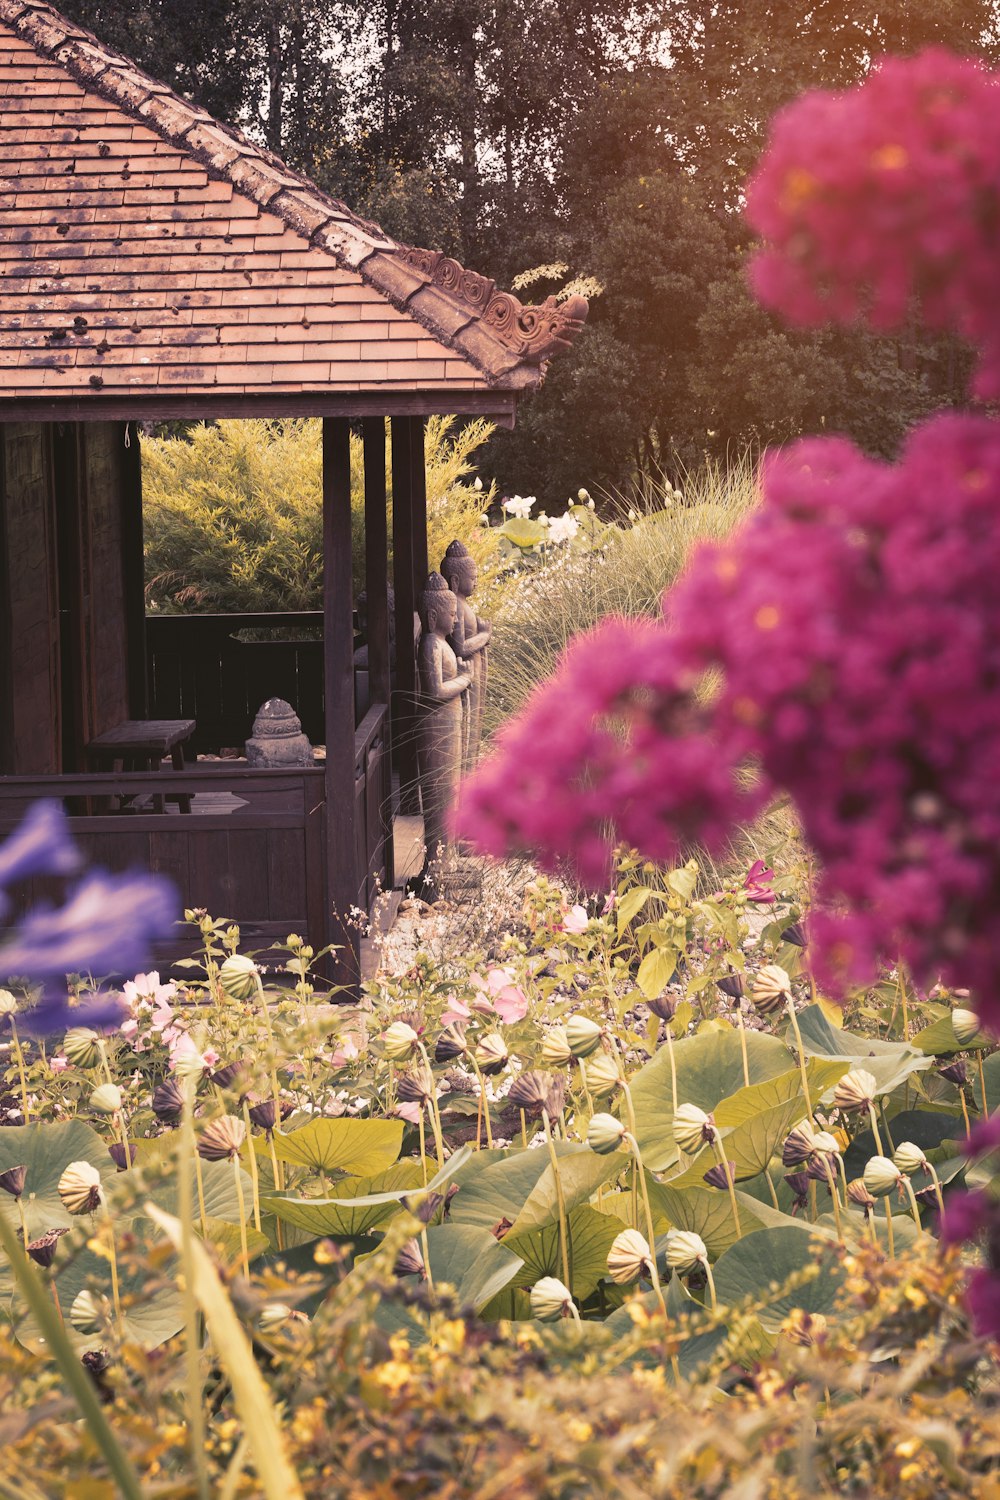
{"x":576,"y":921}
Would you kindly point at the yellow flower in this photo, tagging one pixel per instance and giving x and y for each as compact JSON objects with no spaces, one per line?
{"x":580,"y":1432}
{"x":908,"y":1448}
{"x":392,"y":1376}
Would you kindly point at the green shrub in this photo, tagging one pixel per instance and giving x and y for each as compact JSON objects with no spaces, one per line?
{"x":233,"y":512}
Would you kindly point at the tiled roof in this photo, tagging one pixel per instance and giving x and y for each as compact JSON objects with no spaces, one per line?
{"x":145,"y":248}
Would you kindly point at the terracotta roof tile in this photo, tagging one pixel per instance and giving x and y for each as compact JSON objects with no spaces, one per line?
{"x":199,"y":262}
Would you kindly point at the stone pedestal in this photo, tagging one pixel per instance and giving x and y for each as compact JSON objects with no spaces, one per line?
{"x":277,"y":740}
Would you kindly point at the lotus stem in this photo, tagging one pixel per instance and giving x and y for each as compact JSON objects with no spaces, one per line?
{"x":872,"y":1231}
{"x":241,"y":1201}
{"x":426,"y":1252}
{"x":109,"y":1234}
{"x":484,"y":1101}
{"x":874,"y":1125}
{"x":279,"y":1182}
{"x":586,"y":1090}
{"x":630,"y":1111}
{"x":888,"y":1222}
{"x":524,"y":1131}
{"x":790,"y":1007}
{"x":914,"y":1205}
{"x":965,"y":1111}
{"x":673,"y":1064}
{"x":634,"y":1146}
{"x":192,"y":1350}
{"x":254,"y":1173}
{"x":560,"y":1200}
{"x":270,"y":1043}
{"x":434,"y":1112}
{"x":711,"y":1285}
{"x":743,"y":1048}
{"x":770,"y":1187}
{"x":24,"y":1222}
{"x":200,"y":1180}
{"x":982,"y":1083}
{"x":423,"y":1144}
{"x":102,"y":1048}
{"x":22,"y":1081}
{"x":575,"y":1312}
{"x":885,"y":1126}
{"x":832,"y":1181}
{"x":721,"y":1158}
{"x":937,"y":1185}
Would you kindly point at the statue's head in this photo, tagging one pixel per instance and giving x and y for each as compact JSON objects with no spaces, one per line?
{"x":438,"y":605}
{"x":459,"y":568}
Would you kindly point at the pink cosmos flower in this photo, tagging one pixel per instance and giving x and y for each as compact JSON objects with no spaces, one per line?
{"x":58,"y":1064}
{"x":184,"y":1054}
{"x":408,"y":1111}
{"x":346,"y":1050}
{"x":756,"y":882}
{"x":455,"y":1010}
{"x":498,"y":994}
{"x":576,"y":920}
{"x":511,"y":1004}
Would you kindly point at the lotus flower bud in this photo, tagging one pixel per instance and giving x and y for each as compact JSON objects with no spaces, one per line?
{"x":966,"y":1025}
{"x":556,"y":1050}
{"x":425,"y":1206}
{"x":685,"y":1250}
{"x":799,"y":1184}
{"x":583,"y":1035}
{"x":43,"y":1250}
{"x":717,"y":1176}
{"x":881,"y":1176}
{"x":80,"y":1188}
{"x":86,"y":1313}
{"x":491,"y":1054}
{"x":825,"y":1140}
{"x":629,"y":1258}
{"x":221,"y":1139}
{"x":859,"y":1194}
{"x":82,"y":1047}
{"x":908,"y":1158}
{"x":772,"y":989}
{"x":12,"y":1180}
{"x":451,"y":1044}
{"x":855,"y":1091}
{"x":664,"y":1007}
{"x":956,"y":1072}
{"x":122,"y":1158}
{"x":731,"y":985}
{"x":8,"y":1004}
{"x":538,"y":1094}
{"x":106,"y":1100}
{"x":550,"y":1300}
{"x":225,"y":1076}
{"x":168,"y":1101}
{"x":605,"y":1134}
{"x":409,"y":1261}
{"x":602,"y":1075}
{"x":417,"y":1085}
{"x":799,"y":1145}
{"x":399,"y":1040}
{"x":692,"y":1128}
{"x":795,"y":935}
{"x":238,"y":977}
{"x":263,"y":1114}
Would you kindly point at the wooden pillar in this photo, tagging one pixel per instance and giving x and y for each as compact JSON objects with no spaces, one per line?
{"x":377,"y":589}
{"x":406,"y":585}
{"x":344,"y":878}
{"x":132,"y":570}
{"x":418,"y":505}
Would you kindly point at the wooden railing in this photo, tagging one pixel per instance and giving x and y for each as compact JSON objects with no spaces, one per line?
{"x":199,"y":667}
{"x":373,"y":809}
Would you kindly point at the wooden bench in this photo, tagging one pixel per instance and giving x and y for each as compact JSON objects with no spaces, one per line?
{"x":142,"y":745}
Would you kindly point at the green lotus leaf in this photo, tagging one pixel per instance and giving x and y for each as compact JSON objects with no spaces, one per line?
{"x":358,"y":1147}
{"x":759,"y":1265}
{"x":749,"y":1102}
{"x":523,"y":533}
{"x":589,"y":1234}
{"x":939,"y":1039}
{"x":46,"y":1150}
{"x":520,"y":1187}
{"x":581,"y":1173}
{"x":360,"y":1205}
{"x":472,"y":1261}
{"x":890,"y":1063}
{"x":150,"y":1316}
{"x":707,"y":1212}
{"x":928,"y":1129}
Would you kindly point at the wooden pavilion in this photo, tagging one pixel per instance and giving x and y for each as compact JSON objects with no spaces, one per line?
{"x":156,"y":265}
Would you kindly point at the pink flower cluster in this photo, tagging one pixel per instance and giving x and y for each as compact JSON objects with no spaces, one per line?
{"x":887,"y":195}
{"x":844,"y":646}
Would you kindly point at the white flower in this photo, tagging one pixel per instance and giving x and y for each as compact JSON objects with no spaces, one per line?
{"x":563,"y":528}
{"x":583,"y":496}
{"x":632,"y":515}
{"x":520,"y":506}
{"x":477,"y":483}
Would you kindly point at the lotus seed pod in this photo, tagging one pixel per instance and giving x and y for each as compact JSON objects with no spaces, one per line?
{"x":399,"y":1040}
{"x":106,"y":1100}
{"x":417,"y":1085}
{"x":956,"y":1072}
{"x":692,"y":1128}
{"x":855,"y":1091}
{"x":264,"y":1114}
{"x":731,"y":985}
{"x":881,"y":1176}
{"x":80,"y":1188}
{"x":664,"y":1007}
{"x":583,"y":1035}
{"x":221,"y":1139}
{"x":605,"y":1134}
{"x":799,"y":1145}
{"x":549,"y":1299}
{"x":685,"y":1250}
{"x":491,"y":1054}
{"x":602,"y":1075}
{"x":772,"y":989}
{"x":794,"y":934}
{"x":859,"y":1194}
{"x":451,"y":1044}
{"x":629,"y":1258}
{"x":168,"y":1101}
{"x":227,"y":1074}
{"x":825,"y":1140}
{"x":43,"y":1250}
{"x":122,"y":1158}
{"x":556,"y":1050}
{"x":12,"y":1181}
{"x":966,"y":1025}
{"x":719,"y":1175}
{"x":238,"y":977}
{"x":82,"y":1047}
{"x":409,"y":1261}
{"x":8,"y":1004}
{"x":86,"y":1313}
{"x":908,"y":1158}
{"x":538,"y":1093}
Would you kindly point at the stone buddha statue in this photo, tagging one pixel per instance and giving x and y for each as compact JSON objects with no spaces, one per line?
{"x":470,"y":639}
{"x":443,"y":684}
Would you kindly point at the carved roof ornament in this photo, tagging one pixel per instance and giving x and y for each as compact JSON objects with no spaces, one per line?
{"x":532,"y":333}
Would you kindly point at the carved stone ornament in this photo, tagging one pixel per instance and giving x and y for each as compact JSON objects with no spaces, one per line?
{"x":277,"y":738}
{"x":532,"y":333}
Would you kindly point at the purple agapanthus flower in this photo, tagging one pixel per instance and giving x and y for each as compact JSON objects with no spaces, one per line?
{"x":106,"y":925}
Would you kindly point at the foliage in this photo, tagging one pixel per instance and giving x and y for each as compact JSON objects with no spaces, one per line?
{"x":233,"y":511}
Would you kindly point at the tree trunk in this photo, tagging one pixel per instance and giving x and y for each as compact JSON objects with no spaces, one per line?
{"x":275,"y":80}
{"x":470,"y":165}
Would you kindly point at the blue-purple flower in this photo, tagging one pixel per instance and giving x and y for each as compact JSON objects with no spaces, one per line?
{"x":41,"y":845}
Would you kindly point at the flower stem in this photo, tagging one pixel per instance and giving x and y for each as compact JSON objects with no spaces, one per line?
{"x":19,"y":1059}
{"x":874,"y":1125}
{"x":743,"y":1047}
{"x":721,"y":1158}
{"x":192,"y":1350}
{"x":790,"y":1007}
{"x":109,"y":1235}
{"x":965,"y":1111}
{"x":560,"y":1200}
{"x":279,"y":1183}
{"x":982,"y":1083}
{"x":423,"y":1144}
{"x":888,"y":1222}
{"x":937,"y":1186}
{"x":914,"y":1205}
{"x":241,"y":1201}
{"x":832,"y":1182}
{"x":485,"y":1102}
{"x":634,"y":1146}
{"x":200,"y":1180}
{"x":711,"y":1285}
{"x":254,"y":1173}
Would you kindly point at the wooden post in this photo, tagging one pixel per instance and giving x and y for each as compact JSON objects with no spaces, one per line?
{"x":338,"y":681}
{"x":132,"y":570}
{"x":406,"y":586}
{"x":377,"y":589}
{"x":418,"y":505}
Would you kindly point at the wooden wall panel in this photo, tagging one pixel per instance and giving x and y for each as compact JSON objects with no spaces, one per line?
{"x":103,"y":570}
{"x":29,"y":638}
